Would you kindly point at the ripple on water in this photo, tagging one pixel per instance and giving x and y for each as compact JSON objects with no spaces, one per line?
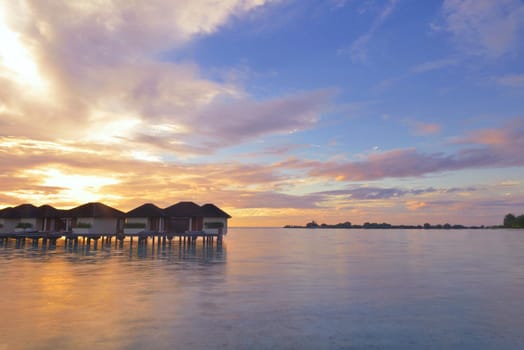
{"x":271,"y":289}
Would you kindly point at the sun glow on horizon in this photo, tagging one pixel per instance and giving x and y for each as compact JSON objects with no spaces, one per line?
{"x":75,"y":187}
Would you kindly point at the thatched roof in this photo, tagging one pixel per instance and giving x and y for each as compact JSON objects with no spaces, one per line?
{"x":94,"y":210}
{"x":147,"y":210}
{"x":183,"y":209}
{"x":212,"y":211}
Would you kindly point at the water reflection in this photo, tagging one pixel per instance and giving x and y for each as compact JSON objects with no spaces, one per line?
{"x":111,"y":296}
{"x":199,"y":252}
{"x":270,"y":289}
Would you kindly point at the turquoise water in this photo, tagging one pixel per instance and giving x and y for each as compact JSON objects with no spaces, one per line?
{"x":271,"y":289}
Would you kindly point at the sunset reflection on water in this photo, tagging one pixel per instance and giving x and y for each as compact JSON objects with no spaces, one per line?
{"x":271,"y":288}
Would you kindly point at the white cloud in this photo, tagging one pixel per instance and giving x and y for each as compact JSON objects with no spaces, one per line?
{"x":105,"y":83}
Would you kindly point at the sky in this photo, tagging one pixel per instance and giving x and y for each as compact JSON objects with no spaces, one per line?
{"x":279,"y":112}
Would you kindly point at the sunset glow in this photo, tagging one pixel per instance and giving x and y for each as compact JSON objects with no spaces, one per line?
{"x":278,"y":112}
{"x":15,"y":60}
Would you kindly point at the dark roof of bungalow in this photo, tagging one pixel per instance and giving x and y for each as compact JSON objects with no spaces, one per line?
{"x":212,"y":211}
{"x":5,"y":211}
{"x":47,"y":211}
{"x":21,"y":211}
{"x":183,"y":209}
{"x":28,"y":211}
{"x":147,"y":210}
{"x":94,"y":210}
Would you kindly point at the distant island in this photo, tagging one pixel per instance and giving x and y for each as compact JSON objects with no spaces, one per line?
{"x":510,"y":221}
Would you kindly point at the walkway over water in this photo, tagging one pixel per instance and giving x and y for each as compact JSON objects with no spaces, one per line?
{"x":88,"y":239}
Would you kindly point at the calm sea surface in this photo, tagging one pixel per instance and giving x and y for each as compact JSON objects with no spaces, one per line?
{"x":271,"y":289}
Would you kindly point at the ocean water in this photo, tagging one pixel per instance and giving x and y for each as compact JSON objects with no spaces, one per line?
{"x":271,"y":289}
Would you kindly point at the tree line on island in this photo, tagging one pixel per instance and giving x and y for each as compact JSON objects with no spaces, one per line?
{"x":510,"y":221}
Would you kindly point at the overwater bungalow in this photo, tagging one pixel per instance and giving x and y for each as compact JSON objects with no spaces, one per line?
{"x":147,"y":217}
{"x":7,"y":223}
{"x":184,"y":217}
{"x":184,"y":221}
{"x":99,"y":219}
{"x":94,"y":218}
{"x":22,"y":218}
{"x":48,"y":219}
{"x":27,"y":217}
{"x":214,"y":219}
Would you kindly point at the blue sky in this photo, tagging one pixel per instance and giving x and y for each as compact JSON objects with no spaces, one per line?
{"x":410,"y":73}
{"x":279,"y":111}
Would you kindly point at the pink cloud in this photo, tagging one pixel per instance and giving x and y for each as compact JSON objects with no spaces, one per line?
{"x":486,"y":149}
{"x":427,"y":128}
{"x":510,"y":135}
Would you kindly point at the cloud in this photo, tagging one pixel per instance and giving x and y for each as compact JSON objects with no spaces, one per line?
{"x":233,"y":121}
{"x":66,"y":175}
{"x":511,"y":80}
{"x":415,"y":205}
{"x":373,"y":193}
{"x":380,"y":193}
{"x":425,"y":129}
{"x":506,"y":137}
{"x":395,"y":163}
{"x":489,"y":148}
{"x":44,"y":172}
{"x":338,"y":3}
{"x":129,"y":27}
{"x":484,"y":27}
{"x":435,"y":65}
{"x":358,"y":49}
{"x":223,"y":123}
{"x":510,"y":183}
{"x":104,"y":82}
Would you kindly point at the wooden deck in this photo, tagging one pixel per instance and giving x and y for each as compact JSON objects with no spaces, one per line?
{"x":141,"y":238}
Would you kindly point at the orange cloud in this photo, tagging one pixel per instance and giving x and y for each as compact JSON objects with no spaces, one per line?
{"x":415,"y":205}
